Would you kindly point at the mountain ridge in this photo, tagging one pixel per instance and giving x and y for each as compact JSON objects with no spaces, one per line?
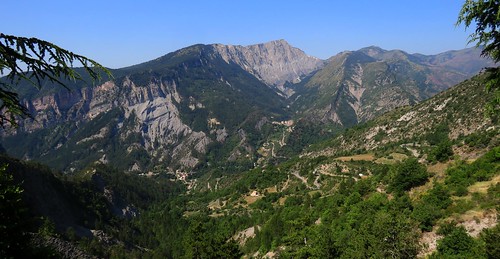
{"x":206,"y":104}
{"x":460,"y":108}
{"x":355,"y":86}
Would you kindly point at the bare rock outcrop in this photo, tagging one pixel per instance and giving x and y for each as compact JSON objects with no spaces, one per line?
{"x":274,"y":62}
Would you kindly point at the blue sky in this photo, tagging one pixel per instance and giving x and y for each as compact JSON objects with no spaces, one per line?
{"x":123,"y":33}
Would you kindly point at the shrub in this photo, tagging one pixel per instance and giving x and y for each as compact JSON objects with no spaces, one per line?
{"x":457,"y":243}
{"x":491,"y":238}
{"x":406,"y":175}
{"x":442,"y":152}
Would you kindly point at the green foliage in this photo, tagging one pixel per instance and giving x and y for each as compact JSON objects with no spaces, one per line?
{"x":406,"y":175}
{"x":431,"y":207}
{"x":260,"y":179}
{"x":457,"y":244}
{"x":442,"y":152}
{"x":427,"y":214}
{"x":305,"y":133}
{"x":13,"y":224}
{"x":441,"y":149}
{"x":351,"y":221}
{"x":398,"y":235}
{"x":355,"y":220}
{"x":461,"y":175}
{"x":381,"y":134}
{"x":16,"y":223}
{"x":377,"y":231}
{"x":486,"y":16}
{"x":491,"y":238}
{"x":480,"y":139}
{"x":352,"y":226}
{"x":492,"y":108}
{"x":80,"y":201}
{"x":43,"y":60}
{"x":438,"y":196}
{"x":201,"y":244}
{"x":438,"y":135}
{"x":48,"y":228}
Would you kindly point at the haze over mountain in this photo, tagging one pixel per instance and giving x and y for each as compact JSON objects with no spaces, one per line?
{"x":207,"y":104}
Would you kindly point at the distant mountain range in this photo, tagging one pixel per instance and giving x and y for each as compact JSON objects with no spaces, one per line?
{"x":220,"y":105}
{"x":356,"y":86}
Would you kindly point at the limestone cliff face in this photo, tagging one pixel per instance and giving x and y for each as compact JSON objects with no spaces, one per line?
{"x":151,"y":108}
{"x":274,"y":62}
{"x":163,"y":113}
{"x":52,"y":108}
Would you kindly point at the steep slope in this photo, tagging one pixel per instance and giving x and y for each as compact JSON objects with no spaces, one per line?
{"x":372,"y":183}
{"x":457,"y":114}
{"x":208,"y":105}
{"x":357,"y":86}
{"x":168,"y":111}
{"x":58,"y":210}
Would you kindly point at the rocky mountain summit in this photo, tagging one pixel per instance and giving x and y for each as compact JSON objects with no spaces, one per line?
{"x":275,"y":62}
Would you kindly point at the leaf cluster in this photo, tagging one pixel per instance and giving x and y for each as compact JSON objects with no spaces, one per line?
{"x":486,"y":15}
{"x":36,"y":60}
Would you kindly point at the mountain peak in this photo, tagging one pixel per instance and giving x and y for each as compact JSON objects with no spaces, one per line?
{"x":279,"y":42}
{"x":373,"y":51}
{"x":275,"y":62}
{"x":375,"y":48}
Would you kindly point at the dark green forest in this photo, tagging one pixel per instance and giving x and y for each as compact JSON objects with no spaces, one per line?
{"x":349,"y":217}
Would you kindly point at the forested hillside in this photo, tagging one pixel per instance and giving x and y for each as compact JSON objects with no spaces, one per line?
{"x":387,"y":188}
{"x":250,"y":151}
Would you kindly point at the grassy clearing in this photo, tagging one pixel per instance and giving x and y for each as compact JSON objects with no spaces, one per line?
{"x":312,"y":193}
{"x":438,"y":170}
{"x":216,"y":204}
{"x":271,"y":189}
{"x":188,"y":214}
{"x":361,"y":157}
{"x":251,"y":199}
{"x":391,"y":159}
{"x":482,"y":187}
